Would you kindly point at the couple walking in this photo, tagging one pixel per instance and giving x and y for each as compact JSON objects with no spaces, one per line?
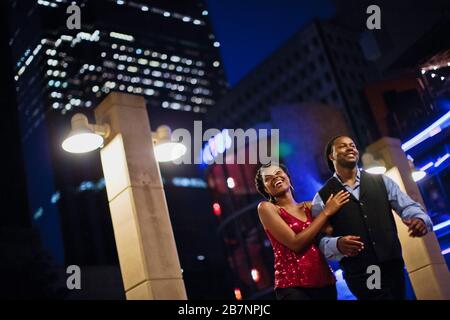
{"x":349,"y":220}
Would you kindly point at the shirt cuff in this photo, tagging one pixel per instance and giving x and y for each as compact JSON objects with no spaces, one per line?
{"x":331,"y":250}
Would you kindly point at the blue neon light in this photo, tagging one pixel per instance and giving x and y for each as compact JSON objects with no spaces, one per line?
{"x":441,"y":160}
{"x":441,"y":225}
{"x":427,"y":166}
{"x":432,"y":130}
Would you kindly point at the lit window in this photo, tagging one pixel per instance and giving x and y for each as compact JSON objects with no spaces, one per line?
{"x":175,"y":106}
{"x":205,"y":12}
{"x":154,"y":63}
{"x":121,"y":36}
{"x":95,"y":89}
{"x":156,"y":73}
{"x":175,"y":58}
{"x":142,"y":61}
{"x":216,"y":64}
{"x":216,"y":44}
{"x":132,"y":69}
{"x":149,"y":92}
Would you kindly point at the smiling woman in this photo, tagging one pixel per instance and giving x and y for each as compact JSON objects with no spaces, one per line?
{"x":301,"y":271}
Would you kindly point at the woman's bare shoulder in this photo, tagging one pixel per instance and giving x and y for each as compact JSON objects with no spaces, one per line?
{"x":266,"y":206}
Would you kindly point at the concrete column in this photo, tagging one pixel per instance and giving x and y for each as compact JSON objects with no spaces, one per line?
{"x":425,"y":264}
{"x":144,"y":238}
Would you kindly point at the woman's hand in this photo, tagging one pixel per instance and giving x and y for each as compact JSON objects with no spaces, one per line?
{"x":334,"y":203}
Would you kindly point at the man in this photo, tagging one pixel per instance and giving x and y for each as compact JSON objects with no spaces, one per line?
{"x":364,"y":231}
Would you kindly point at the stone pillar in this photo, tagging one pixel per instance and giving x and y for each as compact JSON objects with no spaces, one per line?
{"x":425,"y":264}
{"x":144,"y":238}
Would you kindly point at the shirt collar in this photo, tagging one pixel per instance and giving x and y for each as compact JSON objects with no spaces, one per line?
{"x":358,"y":176}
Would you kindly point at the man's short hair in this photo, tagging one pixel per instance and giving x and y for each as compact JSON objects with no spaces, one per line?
{"x":328,"y":151}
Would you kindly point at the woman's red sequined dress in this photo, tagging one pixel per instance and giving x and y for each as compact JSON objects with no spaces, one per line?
{"x":307,"y":269}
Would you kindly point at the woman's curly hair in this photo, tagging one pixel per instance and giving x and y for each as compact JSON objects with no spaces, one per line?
{"x":259,"y":181}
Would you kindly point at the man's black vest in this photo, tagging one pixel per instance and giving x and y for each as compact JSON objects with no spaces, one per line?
{"x":370,"y":218}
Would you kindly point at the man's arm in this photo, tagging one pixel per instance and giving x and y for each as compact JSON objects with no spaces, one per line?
{"x":405,"y":207}
{"x":328,"y":245}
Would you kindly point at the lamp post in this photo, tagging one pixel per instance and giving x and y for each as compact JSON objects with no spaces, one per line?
{"x":144,"y":238}
{"x":425,"y":264}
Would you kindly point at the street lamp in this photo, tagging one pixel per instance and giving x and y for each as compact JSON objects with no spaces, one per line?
{"x":85,"y":137}
{"x":143,"y":232}
{"x":166,"y":149}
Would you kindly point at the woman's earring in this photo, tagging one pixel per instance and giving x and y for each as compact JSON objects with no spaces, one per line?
{"x":292,"y":188}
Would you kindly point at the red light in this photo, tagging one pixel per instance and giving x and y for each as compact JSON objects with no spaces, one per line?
{"x":238,"y":294}
{"x":217,"y":209}
{"x":255,"y":275}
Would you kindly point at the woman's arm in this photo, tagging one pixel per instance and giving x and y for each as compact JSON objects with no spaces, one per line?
{"x":298,"y":241}
{"x":327,"y":228}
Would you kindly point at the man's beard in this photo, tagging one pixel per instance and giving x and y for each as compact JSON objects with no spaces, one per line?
{"x":348,"y":164}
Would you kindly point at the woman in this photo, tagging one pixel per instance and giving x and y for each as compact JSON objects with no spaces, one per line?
{"x":301,"y":271}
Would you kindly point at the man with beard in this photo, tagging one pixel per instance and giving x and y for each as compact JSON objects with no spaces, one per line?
{"x":364,"y":231}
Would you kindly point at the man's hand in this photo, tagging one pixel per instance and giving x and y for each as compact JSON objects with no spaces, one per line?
{"x":416,"y":227}
{"x":349,"y":246}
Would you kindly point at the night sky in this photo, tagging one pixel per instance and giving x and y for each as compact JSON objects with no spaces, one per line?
{"x":250,"y":30}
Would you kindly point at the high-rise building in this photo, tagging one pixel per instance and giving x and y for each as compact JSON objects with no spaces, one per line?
{"x":320,"y":63}
{"x":163,"y":50}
